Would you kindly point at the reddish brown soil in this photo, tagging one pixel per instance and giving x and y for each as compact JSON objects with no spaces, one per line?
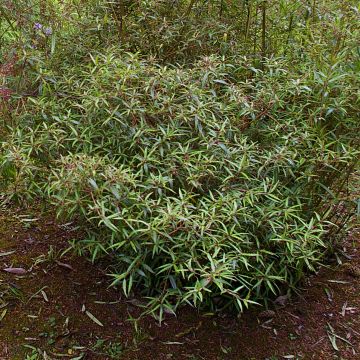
{"x":54,"y":320}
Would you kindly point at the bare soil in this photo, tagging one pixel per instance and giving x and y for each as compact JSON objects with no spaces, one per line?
{"x":62,"y":307}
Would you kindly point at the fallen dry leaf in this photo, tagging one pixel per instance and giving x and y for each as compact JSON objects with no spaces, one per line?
{"x":16,"y":271}
{"x":66,"y":266}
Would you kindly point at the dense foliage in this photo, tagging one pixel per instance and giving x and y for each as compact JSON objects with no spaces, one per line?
{"x":203,"y":145}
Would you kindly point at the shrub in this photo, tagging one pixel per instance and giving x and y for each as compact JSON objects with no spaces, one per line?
{"x":210,"y":183}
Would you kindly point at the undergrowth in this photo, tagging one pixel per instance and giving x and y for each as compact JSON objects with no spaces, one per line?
{"x":205,"y":156}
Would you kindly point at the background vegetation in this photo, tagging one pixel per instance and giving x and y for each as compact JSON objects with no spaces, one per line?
{"x":205,"y":146}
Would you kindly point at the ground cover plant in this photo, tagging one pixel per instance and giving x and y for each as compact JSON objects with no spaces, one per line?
{"x":205,"y":147}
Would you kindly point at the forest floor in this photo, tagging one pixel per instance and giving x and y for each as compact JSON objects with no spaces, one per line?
{"x":54,"y":306}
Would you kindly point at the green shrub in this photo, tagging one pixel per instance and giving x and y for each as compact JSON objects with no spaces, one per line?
{"x":210,"y":183}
